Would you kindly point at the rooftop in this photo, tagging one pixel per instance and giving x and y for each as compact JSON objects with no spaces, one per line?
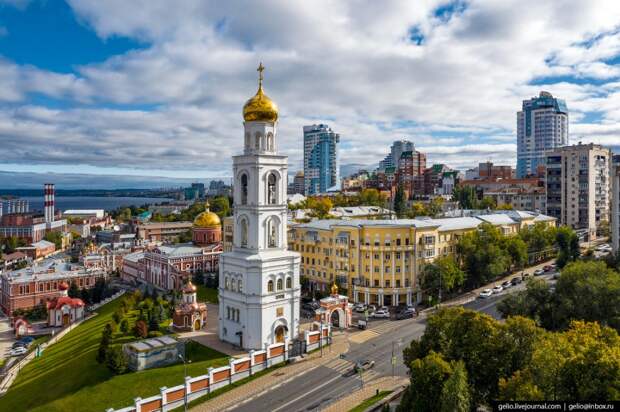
{"x":48,"y":269}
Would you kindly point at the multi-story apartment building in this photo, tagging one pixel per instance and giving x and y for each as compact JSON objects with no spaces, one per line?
{"x":320,"y":159}
{"x":411,"y":166}
{"x":577,"y":184}
{"x":396,"y":150}
{"x":488,"y":170}
{"x":379,"y":261}
{"x":542,"y":126}
{"x":534,"y":199}
{"x":614,"y":215}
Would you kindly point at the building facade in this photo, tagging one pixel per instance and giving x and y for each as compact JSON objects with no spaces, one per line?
{"x":542,"y":126}
{"x":614,"y":216}
{"x":162,"y":231}
{"x":320,"y":159}
{"x":32,"y":286}
{"x":411,"y":166}
{"x":396,"y":150}
{"x":577,"y":184}
{"x":379,"y":262}
{"x":259,"y":289}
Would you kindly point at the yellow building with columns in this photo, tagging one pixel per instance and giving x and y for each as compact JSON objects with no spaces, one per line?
{"x":378,"y":261}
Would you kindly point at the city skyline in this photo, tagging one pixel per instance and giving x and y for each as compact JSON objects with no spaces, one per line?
{"x":147,"y":95}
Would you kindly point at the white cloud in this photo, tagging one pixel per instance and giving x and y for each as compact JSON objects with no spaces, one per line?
{"x":349,"y":64}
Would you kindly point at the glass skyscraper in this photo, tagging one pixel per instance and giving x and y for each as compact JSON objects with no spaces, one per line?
{"x":320,"y":159}
{"x":542,"y":126}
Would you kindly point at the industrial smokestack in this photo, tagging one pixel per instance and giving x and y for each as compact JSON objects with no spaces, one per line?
{"x":48,"y":190}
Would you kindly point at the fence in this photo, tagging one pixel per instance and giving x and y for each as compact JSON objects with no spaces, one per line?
{"x":11,"y":374}
{"x":216,"y":378}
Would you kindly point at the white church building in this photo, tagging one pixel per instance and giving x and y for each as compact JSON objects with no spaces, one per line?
{"x":259,"y":291}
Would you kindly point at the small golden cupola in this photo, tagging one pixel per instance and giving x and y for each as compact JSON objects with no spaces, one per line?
{"x":260,"y":108}
{"x":207,"y":219}
{"x":334,"y":289}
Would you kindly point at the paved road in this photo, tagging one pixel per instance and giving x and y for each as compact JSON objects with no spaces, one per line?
{"x":321,"y":386}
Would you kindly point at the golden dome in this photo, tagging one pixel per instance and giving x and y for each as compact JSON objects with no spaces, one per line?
{"x":260,"y":108}
{"x":207,"y":219}
{"x":334,"y":289}
{"x":189,"y":287}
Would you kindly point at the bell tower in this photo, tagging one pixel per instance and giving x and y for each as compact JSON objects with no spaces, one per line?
{"x":259,"y":280}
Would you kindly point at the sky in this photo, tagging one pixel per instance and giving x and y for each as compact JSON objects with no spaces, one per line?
{"x":156,"y":88}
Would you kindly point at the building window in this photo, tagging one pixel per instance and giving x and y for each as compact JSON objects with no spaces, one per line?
{"x":240,"y":285}
{"x":244,"y":189}
{"x":289,"y":282}
{"x":270,"y":286}
{"x":244,"y":233}
{"x":271,"y":189}
{"x":279,"y":284}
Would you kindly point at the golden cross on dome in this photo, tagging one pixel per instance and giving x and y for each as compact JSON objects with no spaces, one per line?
{"x":260,"y":70}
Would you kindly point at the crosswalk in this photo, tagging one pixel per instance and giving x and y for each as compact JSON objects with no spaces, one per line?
{"x":343,"y":366}
{"x":371,"y":333}
{"x":340,"y":365}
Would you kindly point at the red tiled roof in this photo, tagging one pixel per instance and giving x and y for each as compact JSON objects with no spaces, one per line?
{"x":58,"y":303}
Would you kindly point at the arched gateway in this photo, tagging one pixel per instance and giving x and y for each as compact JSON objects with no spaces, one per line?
{"x":334,"y":310}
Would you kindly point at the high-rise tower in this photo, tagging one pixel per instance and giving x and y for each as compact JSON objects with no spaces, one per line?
{"x":321,"y":165}
{"x":542,"y":126}
{"x":259,"y":289}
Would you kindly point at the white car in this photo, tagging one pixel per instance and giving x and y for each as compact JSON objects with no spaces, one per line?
{"x":381,"y":313}
{"x":539,"y":272}
{"x":18,"y":351}
{"x":359,"y":308}
{"x":486,"y":293}
{"x":498,"y":289}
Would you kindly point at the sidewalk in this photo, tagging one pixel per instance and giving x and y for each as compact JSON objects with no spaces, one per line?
{"x":257,"y":387}
{"x":351,"y":401}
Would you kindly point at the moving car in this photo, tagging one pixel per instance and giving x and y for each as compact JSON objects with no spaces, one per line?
{"x":381,"y":313}
{"x":361,"y":366}
{"x":539,"y":272}
{"x":405,"y":314}
{"x":507,"y":284}
{"x":486,"y":293}
{"x":498,"y":289}
{"x":18,"y":351}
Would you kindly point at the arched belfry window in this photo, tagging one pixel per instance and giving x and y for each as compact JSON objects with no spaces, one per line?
{"x":247,"y":140}
{"x":279,"y":284}
{"x":270,"y":286}
{"x":272,"y":189}
{"x":244,"y":189}
{"x":257,"y":142}
{"x":244,"y":233}
{"x":272,"y":232}
{"x":270,"y":142}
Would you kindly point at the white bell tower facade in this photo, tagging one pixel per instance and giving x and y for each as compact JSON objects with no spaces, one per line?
{"x":259,"y":290}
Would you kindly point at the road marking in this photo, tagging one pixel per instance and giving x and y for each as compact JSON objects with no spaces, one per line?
{"x":305,"y":394}
{"x":340,"y":365}
{"x":363,"y":336}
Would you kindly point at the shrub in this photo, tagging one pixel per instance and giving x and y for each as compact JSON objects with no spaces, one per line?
{"x":141,"y":330}
{"x":124,"y":326}
{"x":116,"y":360}
{"x":155,"y":334}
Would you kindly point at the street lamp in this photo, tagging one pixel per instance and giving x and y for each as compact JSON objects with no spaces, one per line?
{"x":184,"y":380}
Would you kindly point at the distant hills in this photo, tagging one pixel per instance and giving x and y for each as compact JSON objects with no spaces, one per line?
{"x":12,"y":181}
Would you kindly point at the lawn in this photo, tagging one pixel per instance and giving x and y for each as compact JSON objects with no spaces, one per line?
{"x":68,"y":378}
{"x":370,"y":401}
{"x":205,"y":294}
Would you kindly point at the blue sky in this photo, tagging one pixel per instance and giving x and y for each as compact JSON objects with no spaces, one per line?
{"x":145,"y":89}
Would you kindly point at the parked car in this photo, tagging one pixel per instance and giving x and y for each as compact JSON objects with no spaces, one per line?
{"x":547,"y":268}
{"x":28,"y":339}
{"x":498,"y":289}
{"x":539,"y":272}
{"x":371,"y":308}
{"x":515,"y":281}
{"x":359,"y":308}
{"x":524,"y":275}
{"x":507,"y":284}
{"x":18,"y":351}
{"x":20,"y":344}
{"x":405,"y":314}
{"x":361,"y":366}
{"x":381,"y":313}
{"x":486,"y":293}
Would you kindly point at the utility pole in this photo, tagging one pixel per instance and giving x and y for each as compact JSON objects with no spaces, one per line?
{"x":321,"y":336}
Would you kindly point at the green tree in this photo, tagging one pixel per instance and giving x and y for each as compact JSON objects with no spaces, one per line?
{"x":417,"y":209}
{"x":443,"y":273}
{"x":568,"y":244}
{"x":455,"y":395}
{"x":427,"y":379}
{"x":221,"y":206}
{"x":124,"y":326}
{"x":482,"y":254}
{"x":319,"y":207}
{"x":74,"y":291}
{"x":400,"y":203}
{"x":517,"y":249}
{"x":116,"y":360}
{"x":487,"y":202}
{"x":466,"y":196}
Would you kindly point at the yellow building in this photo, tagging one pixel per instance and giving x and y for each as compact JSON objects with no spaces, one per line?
{"x":378,"y":261}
